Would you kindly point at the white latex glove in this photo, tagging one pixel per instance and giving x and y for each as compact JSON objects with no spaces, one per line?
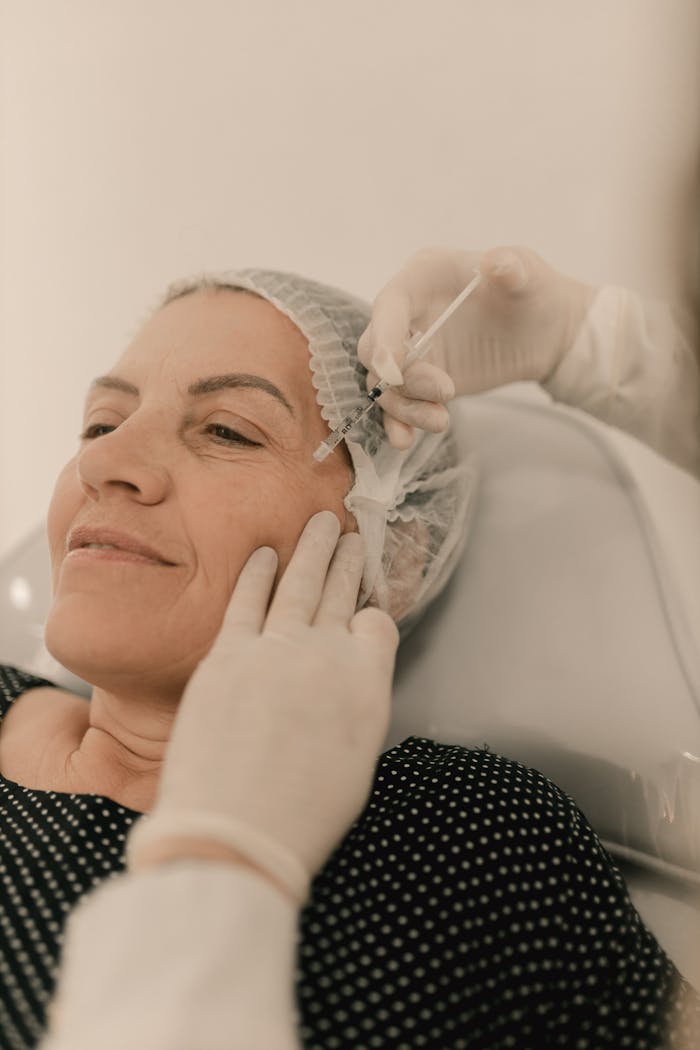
{"x":516,"y":325}
{"x":279,"y":729}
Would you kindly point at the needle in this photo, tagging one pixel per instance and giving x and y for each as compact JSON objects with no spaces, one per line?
{"x":418,"y":347}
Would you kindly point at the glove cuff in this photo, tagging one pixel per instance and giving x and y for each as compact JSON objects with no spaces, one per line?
{"x":261,"y":850}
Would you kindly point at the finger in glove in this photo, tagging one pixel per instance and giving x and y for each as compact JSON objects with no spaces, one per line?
{"x":421,"y":381}
{"x":299,"y":591}
{"x":339,"y":598}
{"x":424,"y":414}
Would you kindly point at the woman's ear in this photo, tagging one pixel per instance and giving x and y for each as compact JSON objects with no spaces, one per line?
{"x":404,"y":557}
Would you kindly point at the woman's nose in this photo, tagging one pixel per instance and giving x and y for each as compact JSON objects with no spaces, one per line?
{"x":129,"y":461}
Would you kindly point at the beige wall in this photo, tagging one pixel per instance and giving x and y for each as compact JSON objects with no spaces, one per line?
{"x":144,"y":139}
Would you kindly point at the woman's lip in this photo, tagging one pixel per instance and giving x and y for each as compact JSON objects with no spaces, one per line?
{"x":93,"y":554}
{"x":106,"y":536}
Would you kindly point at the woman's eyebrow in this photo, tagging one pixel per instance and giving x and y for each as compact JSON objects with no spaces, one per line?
{"x":237,"y":379}
{"x":201,"y":387}
{"x":113,"y":383}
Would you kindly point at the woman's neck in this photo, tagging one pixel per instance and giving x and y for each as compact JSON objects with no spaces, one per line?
{"x":121,"y":747}
{"x":115,"y":745}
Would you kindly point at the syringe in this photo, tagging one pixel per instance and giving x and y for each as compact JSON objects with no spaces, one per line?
{"x":418,"y":347}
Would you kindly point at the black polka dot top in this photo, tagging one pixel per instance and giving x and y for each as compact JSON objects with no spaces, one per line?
{"x":54,"y":848}
{"x":469,"y":906}
{"x":472,"y":906}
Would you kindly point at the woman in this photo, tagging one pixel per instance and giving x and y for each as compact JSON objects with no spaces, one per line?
{"x":475,"y":954}
{"x":196,"y":450}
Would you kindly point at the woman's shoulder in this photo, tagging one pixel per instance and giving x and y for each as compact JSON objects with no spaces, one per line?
{"x":474,"y":807}
{"x":35,"y":714}
{"x":41,"y":700}
{"x":14,"y":682}
{"x":448,"y":776}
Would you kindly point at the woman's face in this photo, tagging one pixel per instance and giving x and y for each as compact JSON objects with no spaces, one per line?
{"x":198,"y":444}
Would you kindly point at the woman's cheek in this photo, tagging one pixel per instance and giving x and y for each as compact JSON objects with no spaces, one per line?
{"x":65,"y":502}
{"x":258,"y":514}
{"x":272,"y":509}
{"x":286,"y":527}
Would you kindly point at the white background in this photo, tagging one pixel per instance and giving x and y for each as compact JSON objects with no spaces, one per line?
{"x":143,"y":140}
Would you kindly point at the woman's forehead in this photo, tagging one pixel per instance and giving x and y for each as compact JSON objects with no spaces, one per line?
{"x":217,"y":330}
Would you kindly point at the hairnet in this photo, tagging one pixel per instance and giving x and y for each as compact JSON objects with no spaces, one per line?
{"x":410,"y":506}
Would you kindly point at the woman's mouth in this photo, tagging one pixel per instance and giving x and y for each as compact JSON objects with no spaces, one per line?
{"x":98,"y":552}
{"x":105,"y":543}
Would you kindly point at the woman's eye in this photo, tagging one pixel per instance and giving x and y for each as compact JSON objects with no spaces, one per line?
{"x":221,"y":433}
{"x":230,"y":437}
{"x":92,"y":430}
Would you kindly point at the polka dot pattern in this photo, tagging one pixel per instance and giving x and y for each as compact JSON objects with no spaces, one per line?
{"x":470,"y":906}
{"x":54,"y":848}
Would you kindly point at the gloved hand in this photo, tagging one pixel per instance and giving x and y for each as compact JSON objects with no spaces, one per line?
{"x":516,"y":325}
{"x":279,"y":729}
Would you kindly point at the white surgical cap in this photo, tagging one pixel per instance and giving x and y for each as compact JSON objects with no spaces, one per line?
{"x":410,"y":506}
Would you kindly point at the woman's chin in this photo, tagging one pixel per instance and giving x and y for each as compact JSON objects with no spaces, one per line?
{"x":114,"y":655}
